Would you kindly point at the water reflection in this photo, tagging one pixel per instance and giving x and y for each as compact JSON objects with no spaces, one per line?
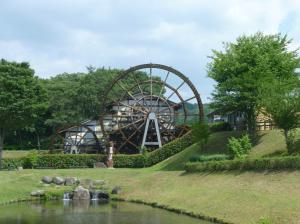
{"x":88,"y":212}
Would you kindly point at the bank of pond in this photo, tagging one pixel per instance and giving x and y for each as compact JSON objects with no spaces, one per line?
{"x":86,"y":211}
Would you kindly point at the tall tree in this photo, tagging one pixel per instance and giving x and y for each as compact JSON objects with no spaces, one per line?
{"x":21,"y":98}
{"x":281,"y":100}
{"x":242,"y":68}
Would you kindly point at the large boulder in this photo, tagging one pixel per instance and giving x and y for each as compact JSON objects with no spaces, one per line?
{"x":47,"y":180}
{"x":58,"y":180}
{"x":37,"y":193}
{"x":81,"y":193}
{"x":116,"y":190}
{"x":100,"y":165}
{"x":69,"y":181}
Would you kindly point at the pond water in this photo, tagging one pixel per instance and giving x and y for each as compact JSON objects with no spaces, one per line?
{"x":72,"y":212}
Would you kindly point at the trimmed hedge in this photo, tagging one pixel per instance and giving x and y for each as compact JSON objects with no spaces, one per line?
{"x":63,"y":161}
{"x":129,"y":161}
{"x":206,"y":158}
{"x":169,"y":149}
{"x":259,"y":164}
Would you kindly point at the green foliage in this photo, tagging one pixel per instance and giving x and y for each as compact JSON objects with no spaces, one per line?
{"x":246,"y":143}
{"x":274,"y":163}
{"x":12,"y":163}
{"x":220,"y":126}
{"x":61,"y":161}
{"x":169,"y":149}
{"x":22,"y":99}
{"x":129,"y":161}
{"x":281,"y":101}
{"x":239,"y":147}
{"x":30,"y":161}
{"x":76,"y":97}
{"x":244,"y":66}
{"x":205,"y":158}
{"x":143,"y":150}
{"x":200,"y":132}
{"x":264,"y":221}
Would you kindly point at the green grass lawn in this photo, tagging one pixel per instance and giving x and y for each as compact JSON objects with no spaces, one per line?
{"x":236,"y":197}
{"x":272,"y":143}
{"x":232,"y":196}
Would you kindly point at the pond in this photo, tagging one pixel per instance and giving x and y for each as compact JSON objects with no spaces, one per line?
{"x":89,"y":212}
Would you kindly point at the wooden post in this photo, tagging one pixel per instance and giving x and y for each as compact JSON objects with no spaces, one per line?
{"x":110,"y":161}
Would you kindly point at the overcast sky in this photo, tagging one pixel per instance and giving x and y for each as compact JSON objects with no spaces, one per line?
{"x":57,"y":36}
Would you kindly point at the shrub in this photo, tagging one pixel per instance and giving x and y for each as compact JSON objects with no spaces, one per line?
{"x":200,"y":132}
{"x":205,"y":158}
{"x":274,"y":163}
{"x":30,"y":161}
{"x":169,"y":149}
{"x":12,"y":163}
{"x":239,"y":147}
{"x":220,"y":126}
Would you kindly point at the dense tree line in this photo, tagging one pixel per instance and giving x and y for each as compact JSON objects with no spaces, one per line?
{"x":68,"y":98}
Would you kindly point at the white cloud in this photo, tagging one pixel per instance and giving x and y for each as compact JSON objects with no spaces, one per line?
{"x":64,"y":36}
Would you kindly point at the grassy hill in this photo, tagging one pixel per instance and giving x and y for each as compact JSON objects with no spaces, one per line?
{"x":270,"y":143}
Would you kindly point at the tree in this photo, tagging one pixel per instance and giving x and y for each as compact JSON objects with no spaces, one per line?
{"x":244,"y":66}
{"x":21,"y":98}
{"x":76,"y":97}
{"x":282,"y":102}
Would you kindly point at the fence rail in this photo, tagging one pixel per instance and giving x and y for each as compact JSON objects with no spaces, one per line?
{"x":260,"y":126}
{"x":265,"y":125}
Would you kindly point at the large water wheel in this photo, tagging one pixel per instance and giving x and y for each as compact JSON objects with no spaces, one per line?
{"x":147,"y":106}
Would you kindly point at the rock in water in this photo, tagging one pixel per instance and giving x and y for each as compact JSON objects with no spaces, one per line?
{"x":116,"y":190}
{"x":58,"y":180}
{"x":81,"y":193}
{"x":69,"y":181}
{"x":47,"y":180}
{"x":37,"y":193}
{"x":99,"y":195}
{"x":102,"y":195}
